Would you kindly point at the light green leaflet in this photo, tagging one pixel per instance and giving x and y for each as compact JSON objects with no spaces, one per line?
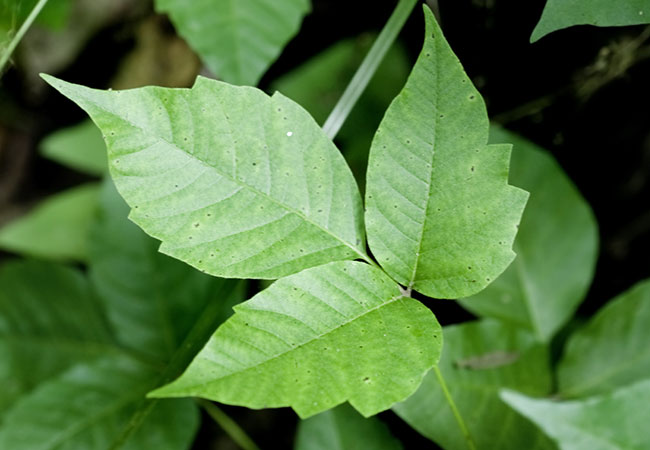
{"x":479,"y":358}
{"x":560,"y":14}
{"x":612,"y":349}
{"x":80,"y":147}
{"x":238,"y":40}
{"x":615,"y":421}
{"x":234,"y":182}
{"x":57,"y":228}
{"x":440,"y":215}
{"x":89,"y":405}
{"x":556,"y":247}
{"x":313,"y":340}
{"x":342,"y":428}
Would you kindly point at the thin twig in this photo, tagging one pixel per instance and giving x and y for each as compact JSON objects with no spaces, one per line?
{"x":368,"y":67}
{"x":21,"y":32}
{"x":228,"y":425}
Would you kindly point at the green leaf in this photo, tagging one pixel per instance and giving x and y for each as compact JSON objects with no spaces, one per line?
{"x":611,"y":350}
{"x":237,"y":40}
{"x":614,"y":421}
{"x":88,"y":405}
{"x":80,"y":147}
{"x":338,"y":332}
{"x":234,"y":182}
{"x":151,"y":300}
{"x":57,"y":228}
{"x":342,"y":428}
{"x":49,"y":320}
{"x":559,"y":14}
{"x":440,"y":215}
{"x":479,"y":358}
{"x":556,"y":246}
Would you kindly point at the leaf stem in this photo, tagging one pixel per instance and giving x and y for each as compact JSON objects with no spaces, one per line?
{"x":368,"y":67}
{"x":233,"y":430}
{"x":21,"y":32}
{"x":454,"y":409}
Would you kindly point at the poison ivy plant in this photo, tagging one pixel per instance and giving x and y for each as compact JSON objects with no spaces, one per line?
{"x":618,"y":420}
{"x":80,"y":147}
{"x":556,"y":247}
{"x":103,"y":343}
{"x":611,"y":350}
{"x":478,"y":360}
{"x":342,"y":428}
{"x":559,"y":14}
{"x":236,"y":40}
{"x":440,"y":214}
{"x":57,"y":228}
{"x":240,"y":184}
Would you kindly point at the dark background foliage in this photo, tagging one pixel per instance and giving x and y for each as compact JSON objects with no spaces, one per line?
{"x":581,"y":93}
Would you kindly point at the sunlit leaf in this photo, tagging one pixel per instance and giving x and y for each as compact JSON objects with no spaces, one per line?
{"x":338,"y":332}
{"x":234,"y":182}
{"x":440,"y":215}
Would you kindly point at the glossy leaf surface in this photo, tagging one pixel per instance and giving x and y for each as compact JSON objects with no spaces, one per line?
{"x":440,"y":215}
{"x":479,"y":359}
{"x":611,"y":350}
{"x":342,"y":428}
{"x":57,"y":228}
{"x":614,"y":421}
{"x":556,"y":247}
{"x":559,"y":14}
{"x":237,"y":40}
{"x":234,"y":182}
{"x":338,"y":332}
{"x":80,"y":147}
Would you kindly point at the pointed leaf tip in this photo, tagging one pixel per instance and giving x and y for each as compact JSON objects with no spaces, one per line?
{"x":440,"y":215}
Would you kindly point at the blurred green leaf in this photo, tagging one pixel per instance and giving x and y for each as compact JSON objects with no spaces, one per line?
{"x":612,"y":349}
{"x":80,"y":147}
{"x":614,"y":421}
{"x":559,"y":14}
{"x":342,"y":428}
{"x":556,"y":247}
{"x":153,"y":315}
{"x":49,"y":320}
{"x":87,"y":407}
{"x":237,"y":40}
{"x":57,"y":228}
{"x":479,"y":359}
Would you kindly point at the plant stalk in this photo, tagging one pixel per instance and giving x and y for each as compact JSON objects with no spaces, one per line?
{"x":454,"y":410}
{"x":233,"y":430}
{"x":368,"y":67}
{"x":21,"y":32}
